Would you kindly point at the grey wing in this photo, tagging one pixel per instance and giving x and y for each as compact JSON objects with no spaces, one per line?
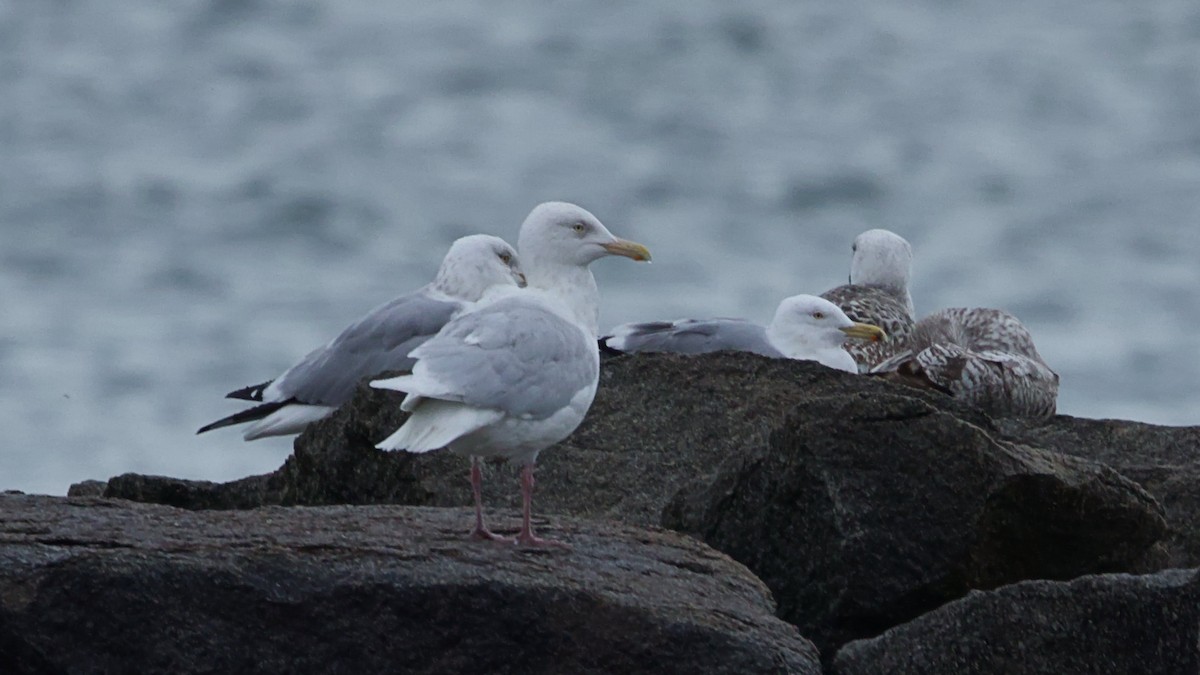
{"x":693,"y":336}
{"x":869,"y":304}
{"x":514,"y":355}
{"x":378,"y":342}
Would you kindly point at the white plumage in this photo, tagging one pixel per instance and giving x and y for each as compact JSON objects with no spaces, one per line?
{"x":804,"y":327}
{"x":518,"y":373}
{"x":878,"y":294}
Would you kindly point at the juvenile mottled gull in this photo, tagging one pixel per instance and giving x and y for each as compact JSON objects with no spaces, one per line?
{"x":378,"y":342}
{"x":982,"y":356}
{"x":880,"y":267}
{"x":804,"y":327}
{"x":518,"y":373}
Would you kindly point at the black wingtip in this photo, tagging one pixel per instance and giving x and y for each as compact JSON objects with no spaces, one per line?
{"x":252,"y":393}
{"x":609,"y":352}
{"x":248,"y":415}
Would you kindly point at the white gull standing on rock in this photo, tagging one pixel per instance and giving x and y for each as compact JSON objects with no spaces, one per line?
{"x":380,"y":341}
{"x":804,"y":327}
{"x":880,"y":267}
{"x":518,"y":373}
{"x":983,"y":356}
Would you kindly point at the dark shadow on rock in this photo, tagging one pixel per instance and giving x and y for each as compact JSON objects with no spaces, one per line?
{"x":867,"y":511}
{"x":1098,"y":624}
{"x":1164,"y":460}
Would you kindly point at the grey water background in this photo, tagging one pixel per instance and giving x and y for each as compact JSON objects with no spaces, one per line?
{"x":194,"y":194}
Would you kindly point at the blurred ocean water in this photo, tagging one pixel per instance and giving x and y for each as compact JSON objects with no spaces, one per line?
{"x":194,"y":194}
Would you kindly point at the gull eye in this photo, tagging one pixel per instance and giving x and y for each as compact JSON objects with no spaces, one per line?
{"x":854,"y":248}
{"x":579,"y":228}
{"x":818,"y":315}
{"x":505,"y":258}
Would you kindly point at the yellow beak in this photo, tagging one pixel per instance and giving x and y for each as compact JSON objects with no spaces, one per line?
{"x":864,"y":331}
{"x":629,"y":249}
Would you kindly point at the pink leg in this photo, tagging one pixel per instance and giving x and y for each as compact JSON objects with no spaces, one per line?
{"x":526,"y":536}
{"x":481,"y":531}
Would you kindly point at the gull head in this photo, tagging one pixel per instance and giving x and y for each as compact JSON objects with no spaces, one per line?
{"x":881,"y":258}
{"x":566,"y":234}
{"x":477,"y":263}
{"x":804,"y":323}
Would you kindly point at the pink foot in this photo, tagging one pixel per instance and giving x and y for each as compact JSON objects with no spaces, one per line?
{"x":485,"y":534}
{"x":529,"y":539}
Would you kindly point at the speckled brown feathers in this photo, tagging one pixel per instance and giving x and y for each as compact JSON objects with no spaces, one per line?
{"x":877,"y":306}
{"x":983,"y":356}
{"x":880,"y":267}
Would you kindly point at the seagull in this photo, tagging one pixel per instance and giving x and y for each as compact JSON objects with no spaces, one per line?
{"x":380,"y":341}
{"x":804,"y":327}
{"x":983,"y":356}
{"x":516,"y":374}
{"x":880,"y":267}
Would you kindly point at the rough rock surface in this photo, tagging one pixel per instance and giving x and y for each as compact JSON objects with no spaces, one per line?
{"x":867,"y":511}
{"x":658,"y":422}
{"x":1099,"y":624}
{"x":92,"y":585}
{"x":862,"y":503}
{"x":1164,"y":460}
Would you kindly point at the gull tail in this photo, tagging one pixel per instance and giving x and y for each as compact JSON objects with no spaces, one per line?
{"x":248,"y":415}
{"x":632,"y":337}
{"x":435,"y":424}
{"x":277,"y":418}
{"x":288,"y":420}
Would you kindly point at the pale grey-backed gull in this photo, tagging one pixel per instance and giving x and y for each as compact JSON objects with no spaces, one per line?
{"x":804,"y":327}
{"x":518,"y":373}
{"x":380,"y":341}
{"x":880,"y":267}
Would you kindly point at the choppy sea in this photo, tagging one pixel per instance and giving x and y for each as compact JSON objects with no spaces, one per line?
{"x":194,"y":194}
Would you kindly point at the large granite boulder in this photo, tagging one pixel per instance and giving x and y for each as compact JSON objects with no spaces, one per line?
{"x":862,"y":503}
{"x":90,"y":585}
{"x":867,"y":511}
{"x":1113,"y":623}
{"x":1164,"y":460}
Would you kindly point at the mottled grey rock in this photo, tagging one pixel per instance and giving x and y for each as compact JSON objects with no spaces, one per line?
{"x":89,"y":585}
{"x":88,"y":488}
{"x":1164,"y":460}
{"x":243,"y":493}
{"x":1113,"y":623}
{"x":866,"y":511}
{"x":862,"y":503}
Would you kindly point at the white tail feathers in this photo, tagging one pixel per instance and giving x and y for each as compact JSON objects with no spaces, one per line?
{"x":400,"y":383}
{"x":412,"y":386}
{"x":290,"y":419}
{"x":435,"y":424}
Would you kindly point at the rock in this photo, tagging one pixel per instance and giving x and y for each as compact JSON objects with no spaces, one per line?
{"x":244,"y":493}
{"x":89,"y":488}
{"x":1112,"y":623}
{"x":92,"y":585}
{"x":862,"y":503}
{"x":659,"y":421}
{"x":1164,"y":460}
{"x":866,"y":511}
